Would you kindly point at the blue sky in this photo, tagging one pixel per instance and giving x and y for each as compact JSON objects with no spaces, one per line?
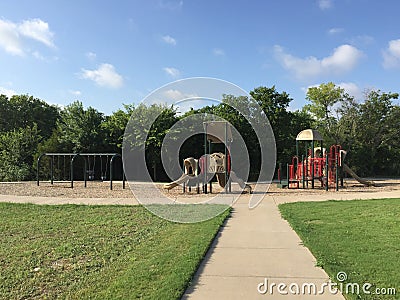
{"x":106,"y":53}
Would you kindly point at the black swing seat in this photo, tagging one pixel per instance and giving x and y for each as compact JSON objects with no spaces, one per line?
{"x":90,"y":174}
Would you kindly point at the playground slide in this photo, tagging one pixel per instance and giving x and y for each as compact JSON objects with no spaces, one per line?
{"x":182,"y":179}
{"x":220,"y":177}
{"x":359,"y":179}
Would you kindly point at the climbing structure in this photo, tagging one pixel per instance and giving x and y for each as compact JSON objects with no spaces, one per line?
{"x":316,"y":164}
{"x":200,"y":172}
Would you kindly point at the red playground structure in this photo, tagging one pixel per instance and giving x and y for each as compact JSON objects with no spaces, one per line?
{"x":316,"y":164}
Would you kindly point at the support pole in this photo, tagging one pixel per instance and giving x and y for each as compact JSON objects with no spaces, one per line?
{"x":226,"y":159}
{"x":38,"y":167}
{"x":210,"y":151}
{"x":303,"y":171}
{"x":287,"y":175}
{"x":327,"y":171}
{"x":307,"y":174}
{"x":341,"y":171}
{"x":337,"y":172}
{"x":52,"y":169}
{"x":72,"y":170}
{"x":312,"y":164}
{"x":85,"y":171}
{"x":112,"y":171}
{"x":123,"y":176}
{"x":184,"y":183}
{"x":205,"y":160}
{"x":280,"y":173}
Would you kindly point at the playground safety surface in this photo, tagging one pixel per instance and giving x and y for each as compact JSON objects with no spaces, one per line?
{"x":97,"y":189}
{"x":253,"y":245}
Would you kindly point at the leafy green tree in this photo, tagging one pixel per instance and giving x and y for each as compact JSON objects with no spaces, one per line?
{"x":348,"y":123}
{"x":159,"y":118}
{"x":17,"y":148}
{"x":283,"y":122}
{"x":374,"y":137}
{"x":24,"y":122}
{"x":21,"y":111}
{"x":323,"y":107}
{"x":391,"y":141}
{"x":5,"y":114}
{"x":81,"y":129}
{"x":51,"y":145}
{"x":114,"y":126}
{"x":274,"y":104}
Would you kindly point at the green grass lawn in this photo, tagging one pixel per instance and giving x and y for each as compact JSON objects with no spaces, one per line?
{"x":360,"y":238}
{"x":98,"y":252}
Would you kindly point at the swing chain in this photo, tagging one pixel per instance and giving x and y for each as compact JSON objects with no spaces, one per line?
{"x":90,"y":170}
{"x":104,"y":172}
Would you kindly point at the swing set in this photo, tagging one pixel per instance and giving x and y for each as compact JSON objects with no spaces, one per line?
{"x":59,"y":161}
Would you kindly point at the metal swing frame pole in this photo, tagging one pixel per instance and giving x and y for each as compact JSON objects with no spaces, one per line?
{"x":205,"y":160}
{"x":112,"y":171}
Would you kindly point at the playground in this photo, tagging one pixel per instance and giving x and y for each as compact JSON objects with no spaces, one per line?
{"x":313,"y":170}
{"x":234,"y":261}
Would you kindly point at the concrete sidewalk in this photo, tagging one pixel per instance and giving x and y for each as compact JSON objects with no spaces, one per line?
{"x":253,"y":246}
{"x":258,"y":245}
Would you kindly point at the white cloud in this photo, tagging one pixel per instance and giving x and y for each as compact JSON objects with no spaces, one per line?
{"x":172,"y":72}
{"x":170,"y":4}
{"x":105,"y":76}
{"x":132,"y":26}
{"x":305,"y":89}
{"x":10,"y":39}
{"x":325,"y":4}
{"x":391,"y":55}
{"x":218,"y":52}
{"x":169,"y":40}
{"x":343,"y":59}
{"x":352,"y":89}
{"x":13,"y":35}
{"x":187,"y":105}
{"x":8,"y":92}
{"x":173,"y":95}
{"x":362,"y":40}
{"x":75,"y":92}
{"x":38,"y":30}
{"x":335,"y":30}
{"x":91,"y":55}
{"x":37,"y":55}
{"x":185,"y":101}
{"x":177,"y":95}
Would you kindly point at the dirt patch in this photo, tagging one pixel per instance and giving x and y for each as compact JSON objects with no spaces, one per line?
{"x":94,"y":189}
{"x":97,"y":189}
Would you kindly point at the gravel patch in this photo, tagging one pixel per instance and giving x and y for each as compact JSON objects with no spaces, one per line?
{"x":97,"y":189}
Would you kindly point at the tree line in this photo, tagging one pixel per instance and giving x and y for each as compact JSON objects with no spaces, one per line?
{"x":368,"y":129}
